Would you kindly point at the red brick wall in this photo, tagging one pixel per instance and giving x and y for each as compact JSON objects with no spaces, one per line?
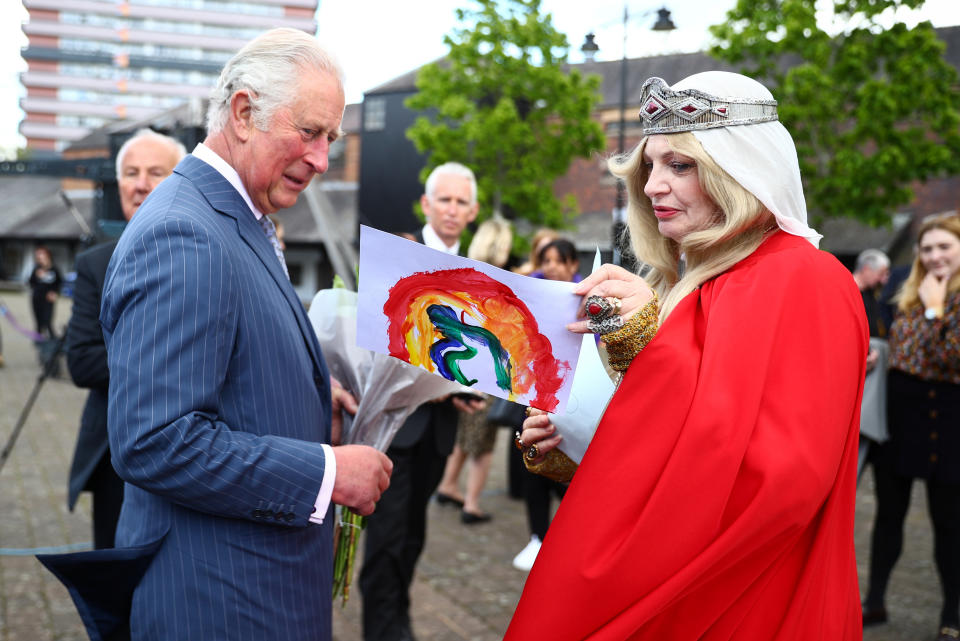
{"x":935,"y":196}
{"x":590,"y":181}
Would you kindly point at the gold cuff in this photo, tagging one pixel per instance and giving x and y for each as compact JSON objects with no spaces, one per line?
{"x":625,"y":343}
{"x":555,"y":466}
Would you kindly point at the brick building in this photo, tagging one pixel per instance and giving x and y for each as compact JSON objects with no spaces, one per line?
{"x":91,"y":62}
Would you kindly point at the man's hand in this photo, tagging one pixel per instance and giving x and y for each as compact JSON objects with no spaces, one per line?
{"x":872,"y":357}
{"x":363,"y":474}
{"x":341,"y":400}
{"x":468,"y":406}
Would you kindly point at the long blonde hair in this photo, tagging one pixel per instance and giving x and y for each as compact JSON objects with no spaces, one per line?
{"x":740,"y":225}
{"x":909,"y":295}
{"x":492,"y":242}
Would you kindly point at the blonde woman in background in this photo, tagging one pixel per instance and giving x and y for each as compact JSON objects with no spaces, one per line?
{"x":923,"y":416}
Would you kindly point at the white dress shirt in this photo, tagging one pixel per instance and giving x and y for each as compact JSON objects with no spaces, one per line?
{"x":433,"y":241}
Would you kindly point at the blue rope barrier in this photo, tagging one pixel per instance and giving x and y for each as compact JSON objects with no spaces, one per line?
{"x":56,"y":549}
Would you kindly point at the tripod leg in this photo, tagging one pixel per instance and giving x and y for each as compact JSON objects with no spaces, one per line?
{"x":45,"y":373}
{"x":5,"y":454}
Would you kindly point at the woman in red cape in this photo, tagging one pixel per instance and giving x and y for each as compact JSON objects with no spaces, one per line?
{"x":716,"y":500}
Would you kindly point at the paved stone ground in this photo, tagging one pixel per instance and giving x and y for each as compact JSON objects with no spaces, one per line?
{"x":465,"y":587}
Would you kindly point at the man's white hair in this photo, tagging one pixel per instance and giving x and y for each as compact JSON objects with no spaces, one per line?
{"x":872,"y":258}
{"x":269,"y":68}
{"x":175,"y":145}
{"x":451,"y":169}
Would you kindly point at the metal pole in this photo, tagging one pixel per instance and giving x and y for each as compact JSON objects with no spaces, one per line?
{"x":621,"y":201}
{"x":621,"y":144}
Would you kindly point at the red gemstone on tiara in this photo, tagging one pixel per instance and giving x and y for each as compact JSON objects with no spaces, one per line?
{"x":652,"y":107}
{"x":689,"y":109}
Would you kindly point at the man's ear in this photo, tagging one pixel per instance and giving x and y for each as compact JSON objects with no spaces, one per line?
{"x":474,"y":209}
{"x":241,"y":115}
{"x":425,"y":206}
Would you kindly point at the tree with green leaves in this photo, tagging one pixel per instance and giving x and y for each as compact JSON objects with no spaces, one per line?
{"x":871,"y":108}
{"x":503,"y":103}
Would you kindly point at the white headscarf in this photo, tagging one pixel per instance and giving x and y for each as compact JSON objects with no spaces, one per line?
{"x":761,"y":157}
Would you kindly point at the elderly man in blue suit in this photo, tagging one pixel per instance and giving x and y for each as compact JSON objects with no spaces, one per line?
{"x":221,"y":408}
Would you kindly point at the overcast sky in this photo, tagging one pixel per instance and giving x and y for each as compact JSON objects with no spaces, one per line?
{"x":377,"y":40}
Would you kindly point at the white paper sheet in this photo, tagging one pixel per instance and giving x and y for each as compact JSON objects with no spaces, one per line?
{"x":531,"y":323}
{"x":589,"y":396}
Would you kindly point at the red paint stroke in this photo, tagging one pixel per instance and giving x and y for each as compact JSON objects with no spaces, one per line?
{"x":491,"y":305}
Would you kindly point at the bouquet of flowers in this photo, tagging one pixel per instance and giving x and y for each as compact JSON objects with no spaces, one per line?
{"x":387,"y":390}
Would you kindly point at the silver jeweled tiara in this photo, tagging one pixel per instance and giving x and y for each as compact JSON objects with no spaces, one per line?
{"x":666,"y":111}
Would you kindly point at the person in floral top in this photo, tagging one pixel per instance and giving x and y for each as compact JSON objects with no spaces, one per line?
{"x":923,"y":406}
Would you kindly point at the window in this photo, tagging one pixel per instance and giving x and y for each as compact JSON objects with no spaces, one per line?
{"x":374,"y":114}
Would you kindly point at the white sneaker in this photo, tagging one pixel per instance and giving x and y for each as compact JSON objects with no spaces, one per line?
{"x":524,"y":560}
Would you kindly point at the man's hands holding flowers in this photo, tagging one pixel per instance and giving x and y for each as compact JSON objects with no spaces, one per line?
{"x":363,"y":472}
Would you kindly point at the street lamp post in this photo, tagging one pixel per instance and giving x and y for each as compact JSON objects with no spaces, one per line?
{"x":663,"y":23}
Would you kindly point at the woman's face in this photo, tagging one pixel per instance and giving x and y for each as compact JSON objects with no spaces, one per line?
{"x":42,"y":258}
{"x":554,"y":267}
{"x":673,"y":187}
{"x":543,"y":242}
{"x":940,"y":253}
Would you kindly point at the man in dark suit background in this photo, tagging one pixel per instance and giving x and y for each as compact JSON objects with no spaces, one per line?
{"x":143,"y":161}
{"x":222,"y":417}
{"x":871,"y":272}
{"x":396,"y":533}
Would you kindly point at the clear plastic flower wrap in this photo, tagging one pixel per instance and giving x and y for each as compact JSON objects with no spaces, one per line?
{"x":387,"y":391}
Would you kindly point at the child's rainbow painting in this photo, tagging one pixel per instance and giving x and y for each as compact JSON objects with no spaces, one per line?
{"x":483,"y":327}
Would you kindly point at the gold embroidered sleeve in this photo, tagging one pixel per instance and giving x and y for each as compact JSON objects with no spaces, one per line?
{"x":555,"y":466}
{"x":625,"y":343}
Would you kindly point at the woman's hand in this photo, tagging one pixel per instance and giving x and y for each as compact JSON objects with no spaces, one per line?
{"x":540,"y":432}
{"x":611,"y":281}
{"x":933,"y":291}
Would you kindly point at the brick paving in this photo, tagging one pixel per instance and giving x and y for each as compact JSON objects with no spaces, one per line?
{"x":465,"y":587}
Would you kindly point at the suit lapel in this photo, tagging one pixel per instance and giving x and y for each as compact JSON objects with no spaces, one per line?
{"x":225,"y":199}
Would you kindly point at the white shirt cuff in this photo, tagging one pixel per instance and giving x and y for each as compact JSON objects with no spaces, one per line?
{"x":326,"y":487}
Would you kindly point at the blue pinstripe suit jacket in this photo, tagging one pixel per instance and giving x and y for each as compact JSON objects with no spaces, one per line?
{"x":219,"y":400}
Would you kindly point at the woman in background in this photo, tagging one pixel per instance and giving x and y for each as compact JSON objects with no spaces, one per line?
{"x":45,"y":282}
{"x":923,"y":417}
{"x":540,"y":239}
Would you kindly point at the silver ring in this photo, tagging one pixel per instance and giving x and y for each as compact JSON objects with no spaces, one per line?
{"x":597,"y":307}
{"x":606,"y":325}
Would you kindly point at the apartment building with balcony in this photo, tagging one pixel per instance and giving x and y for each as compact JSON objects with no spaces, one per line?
{"x":91,"y":62}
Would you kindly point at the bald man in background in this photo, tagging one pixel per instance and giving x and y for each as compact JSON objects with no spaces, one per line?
{"x":143,"y":162}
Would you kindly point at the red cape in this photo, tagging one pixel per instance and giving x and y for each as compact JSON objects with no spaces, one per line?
{"x":716,"y":500}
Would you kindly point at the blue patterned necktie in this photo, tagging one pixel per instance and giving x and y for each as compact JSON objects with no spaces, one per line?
{"x":271,"y":232}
